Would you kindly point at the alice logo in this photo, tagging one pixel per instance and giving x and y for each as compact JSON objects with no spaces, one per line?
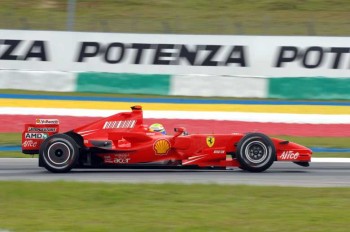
{"x":161,"y":147}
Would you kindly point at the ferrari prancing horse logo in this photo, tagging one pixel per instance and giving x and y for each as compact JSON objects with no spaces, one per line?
{"x":210,"y":141}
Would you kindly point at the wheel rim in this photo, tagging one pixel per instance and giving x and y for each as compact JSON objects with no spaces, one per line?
{"x":59,"y":154}
{"x":256,"y":152}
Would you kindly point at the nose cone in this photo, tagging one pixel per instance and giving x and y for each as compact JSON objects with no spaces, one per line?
{"x":286,"y":145}
{"x":289,"y":151}
{"x":300,"y":148}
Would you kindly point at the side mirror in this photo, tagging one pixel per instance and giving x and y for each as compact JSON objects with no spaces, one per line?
{"x":179,"y":131}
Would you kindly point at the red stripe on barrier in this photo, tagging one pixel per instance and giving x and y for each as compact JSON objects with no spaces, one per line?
{"x":15,"y":123}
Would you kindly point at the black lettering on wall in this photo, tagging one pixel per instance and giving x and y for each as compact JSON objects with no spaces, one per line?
{"x":338,"y":55}
{"x":140,"y":47}
{"x":189,"y":56}
{"x":116,"y":49}
{"x":213,"y":50}
{"x":284,"y":58}
{"x":84,"y":53}
{"x":37,"y":50}
{"x":318,"y":51}
{"x":160,"y":54}
{"x":236,"y":56}
{"x":8,"y":52}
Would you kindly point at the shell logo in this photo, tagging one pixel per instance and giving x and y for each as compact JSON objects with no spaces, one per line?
{"x":161,"y":147}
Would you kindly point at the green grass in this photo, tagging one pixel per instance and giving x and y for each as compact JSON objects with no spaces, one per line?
{"x":60,"y":206}
{"x":329,"y":142}
{"x":10,"y":139}
{"x":331,"y":155}
{"x":276,"y":17}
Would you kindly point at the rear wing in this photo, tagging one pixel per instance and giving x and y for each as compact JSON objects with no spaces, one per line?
{"x":35,"y":134}
{"x":120,"y":122}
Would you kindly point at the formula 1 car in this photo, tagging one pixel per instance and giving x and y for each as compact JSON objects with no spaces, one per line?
{"x":122,"y":140}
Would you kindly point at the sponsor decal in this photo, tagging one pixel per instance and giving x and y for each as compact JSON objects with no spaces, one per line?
{"x":29,"y":144}
{"x":204,"y":55}
{"x":210,"y":141}
{"x":312,"y":57}
{"x":121,"y":158}
{"x":47,"y":121}
{"x":209,"y":55}
{"x":164,"y":54}
{"x":161,"y":147}
{"x":219,"y":151}
{"x":35,"y":135}
{"x":289,"y":155}
{"x":108,"y":159}
{"x":119,"y":124}
{"x":35,"y":49}
{"x":36,"y":129}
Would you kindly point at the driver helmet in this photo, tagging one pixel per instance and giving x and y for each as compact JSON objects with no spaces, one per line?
{"x":157,"y":127}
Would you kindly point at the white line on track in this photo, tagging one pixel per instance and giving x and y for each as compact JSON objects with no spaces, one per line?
{"x":204,"y":115}
{"x":330,"y":160}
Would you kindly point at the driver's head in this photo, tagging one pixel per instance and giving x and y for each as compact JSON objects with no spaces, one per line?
{"x":157,"y":127}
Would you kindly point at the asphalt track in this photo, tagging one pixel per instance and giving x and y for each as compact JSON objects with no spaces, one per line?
{"x":324,"y":174}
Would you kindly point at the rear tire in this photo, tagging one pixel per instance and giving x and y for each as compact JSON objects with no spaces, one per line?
{"x":256,"y":152}
{"x":59,"y":153}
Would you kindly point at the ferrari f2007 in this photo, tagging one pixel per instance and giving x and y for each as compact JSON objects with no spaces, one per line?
{"x":123,"y":140}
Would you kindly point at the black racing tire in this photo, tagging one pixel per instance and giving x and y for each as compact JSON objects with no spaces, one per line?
{"x":256,"y":152}
{"x":59,"y":153}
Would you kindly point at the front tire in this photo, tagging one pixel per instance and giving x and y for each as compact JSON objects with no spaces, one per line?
{"x":59,"y":153}
{"x":256,"y":152}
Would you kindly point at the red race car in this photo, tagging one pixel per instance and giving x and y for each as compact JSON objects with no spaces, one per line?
{"x":122,"y":140}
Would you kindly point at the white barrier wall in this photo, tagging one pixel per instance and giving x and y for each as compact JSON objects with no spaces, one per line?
{"x":220,"y":86}
{"x":38,"y":80}
{"x":266,"y":56}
